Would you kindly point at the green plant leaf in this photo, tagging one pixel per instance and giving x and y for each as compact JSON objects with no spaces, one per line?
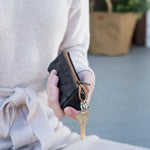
{"x":137,"y":6}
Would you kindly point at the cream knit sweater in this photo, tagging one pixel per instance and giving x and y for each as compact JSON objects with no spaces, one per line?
{"x":33,"y":32}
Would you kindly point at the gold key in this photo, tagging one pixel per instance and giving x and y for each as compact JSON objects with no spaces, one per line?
{"x":83,"y":116}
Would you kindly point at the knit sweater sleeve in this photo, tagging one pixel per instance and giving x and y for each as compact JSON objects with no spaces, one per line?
{"x":76,"y":39}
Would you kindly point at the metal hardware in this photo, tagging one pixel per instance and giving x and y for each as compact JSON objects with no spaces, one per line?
{"x":81,"y":82}
{"x":84,"y":105}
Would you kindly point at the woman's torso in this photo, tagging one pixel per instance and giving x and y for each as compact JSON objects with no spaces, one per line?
{"x":30,"y":35}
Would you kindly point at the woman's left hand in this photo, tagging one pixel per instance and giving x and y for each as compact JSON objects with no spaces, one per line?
{"x":87,"y":77}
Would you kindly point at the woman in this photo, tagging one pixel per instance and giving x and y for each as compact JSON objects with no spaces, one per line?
{"x":32,"y":33}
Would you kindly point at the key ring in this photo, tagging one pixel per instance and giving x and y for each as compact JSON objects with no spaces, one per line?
{"x":84,"y":105}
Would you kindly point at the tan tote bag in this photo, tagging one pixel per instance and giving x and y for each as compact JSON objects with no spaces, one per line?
{"x":111,"y":33}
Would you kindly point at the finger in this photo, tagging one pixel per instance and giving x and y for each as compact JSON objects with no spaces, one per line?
{"x":53,"y":99}
{"x":53,"y":72}
{"x":53,"y":94}
{"x":52,"y":82}
{"x":71,"y":112}
{"x":52,"y":79}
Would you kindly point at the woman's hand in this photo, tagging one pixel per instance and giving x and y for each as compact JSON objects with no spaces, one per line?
{"x":53,"y":93}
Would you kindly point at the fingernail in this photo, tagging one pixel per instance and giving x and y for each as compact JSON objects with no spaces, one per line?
{"x":53,"y":91}
{"x":53,"y":72}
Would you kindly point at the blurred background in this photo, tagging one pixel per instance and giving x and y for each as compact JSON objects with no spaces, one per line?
{"x":119,"y":54}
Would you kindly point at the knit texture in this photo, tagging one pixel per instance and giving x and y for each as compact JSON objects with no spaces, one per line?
{"x":32,"y":34}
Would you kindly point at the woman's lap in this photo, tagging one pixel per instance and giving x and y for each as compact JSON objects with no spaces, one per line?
{"x":44,"y":129}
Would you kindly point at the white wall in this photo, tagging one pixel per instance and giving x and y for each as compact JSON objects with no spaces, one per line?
{"x":148,"y":30}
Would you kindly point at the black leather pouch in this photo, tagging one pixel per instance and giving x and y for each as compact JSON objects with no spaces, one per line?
{"x":71,"y":89}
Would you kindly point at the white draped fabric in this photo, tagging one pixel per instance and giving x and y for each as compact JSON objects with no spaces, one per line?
{"x":27,"y":123}
{"x":23,"y":117}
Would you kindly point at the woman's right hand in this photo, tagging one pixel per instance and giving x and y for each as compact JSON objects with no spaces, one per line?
{"x":53,"y":98}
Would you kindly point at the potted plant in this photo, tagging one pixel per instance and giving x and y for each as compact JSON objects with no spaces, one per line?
{"x":113,"y":23}
{"x":123,"y":6}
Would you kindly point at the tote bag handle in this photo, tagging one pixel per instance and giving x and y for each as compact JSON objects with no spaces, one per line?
{"x":108,"y":3}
